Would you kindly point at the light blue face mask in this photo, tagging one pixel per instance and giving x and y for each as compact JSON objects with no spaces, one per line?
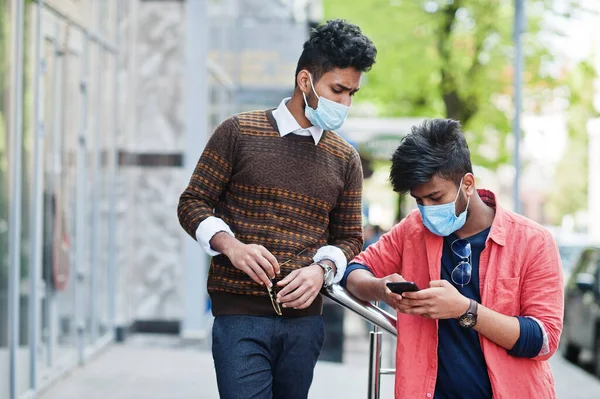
{"x":441,"y":220}
{"x":329,"y":115}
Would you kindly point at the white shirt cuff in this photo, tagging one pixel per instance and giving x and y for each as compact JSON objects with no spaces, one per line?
{"x":207,"y":229}
{"x":336,"y":255}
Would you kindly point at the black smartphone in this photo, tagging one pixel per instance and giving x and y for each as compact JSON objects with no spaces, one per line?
{"x":402,"y":287}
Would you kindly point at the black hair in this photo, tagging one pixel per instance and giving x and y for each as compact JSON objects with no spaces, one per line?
{"x":336,"y":44}
{"x":436,"y":147}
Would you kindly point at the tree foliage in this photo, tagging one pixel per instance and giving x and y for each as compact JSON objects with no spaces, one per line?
{"x":570,"y":188}
{"x":453,"y":58}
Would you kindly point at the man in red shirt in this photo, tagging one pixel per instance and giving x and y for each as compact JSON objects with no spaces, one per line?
{"x":490,"y":307}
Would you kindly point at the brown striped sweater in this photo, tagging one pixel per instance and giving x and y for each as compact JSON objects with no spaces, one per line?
{"x":284,"y":193}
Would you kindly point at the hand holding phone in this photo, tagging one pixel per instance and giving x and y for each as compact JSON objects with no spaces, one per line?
{"x":402,"y":287}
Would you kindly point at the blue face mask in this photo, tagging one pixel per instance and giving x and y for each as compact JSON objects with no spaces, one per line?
{"x":329,"y":115}
{"x":441,"y":220}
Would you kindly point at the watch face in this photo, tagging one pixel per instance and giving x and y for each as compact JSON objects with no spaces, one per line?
{"x":328,"y":274}
{"x":467,"y":320}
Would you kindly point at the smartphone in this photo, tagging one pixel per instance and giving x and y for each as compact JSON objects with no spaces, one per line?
{"x":402,"y":287}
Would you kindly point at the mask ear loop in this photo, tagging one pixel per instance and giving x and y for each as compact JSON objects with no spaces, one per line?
{"x":468,"y":200}
{"x":458,"y":192}
{"x":314,"y":91}
{"x":459,"y":186}
{"x":313,"y":86}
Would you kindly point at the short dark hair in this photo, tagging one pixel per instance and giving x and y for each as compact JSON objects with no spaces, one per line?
{"x":336,"y":44}
{"x":436,"y":147}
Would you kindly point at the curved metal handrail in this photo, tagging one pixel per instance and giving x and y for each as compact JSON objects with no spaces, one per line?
{"x":366,"y":310}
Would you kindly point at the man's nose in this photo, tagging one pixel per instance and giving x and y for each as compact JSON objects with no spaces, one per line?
{"x":347,"y":101}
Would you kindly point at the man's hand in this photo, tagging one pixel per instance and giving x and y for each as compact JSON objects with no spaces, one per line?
{"x":385,"y":294}
{"x":301,"y":287}
{"x":254,"y":260}
{"x":441,"y":301}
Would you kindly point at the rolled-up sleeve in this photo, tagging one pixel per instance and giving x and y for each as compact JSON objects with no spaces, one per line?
{"x":531,"y":339}
{"x":352,"y":267}
{"x":542,"y":295}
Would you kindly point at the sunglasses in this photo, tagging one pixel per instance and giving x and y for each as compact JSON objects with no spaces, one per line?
{"x":461,"y":275}
{"x":271,"y":290}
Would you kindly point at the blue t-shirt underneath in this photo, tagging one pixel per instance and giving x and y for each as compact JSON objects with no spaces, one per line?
{"x":462,"y":371}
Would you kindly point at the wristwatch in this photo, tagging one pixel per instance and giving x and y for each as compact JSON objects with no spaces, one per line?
{"x":328,"y":274}
{"x":469,"y":319}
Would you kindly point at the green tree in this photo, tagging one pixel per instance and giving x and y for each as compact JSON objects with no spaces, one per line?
{"x":452,"y":58}
{"x":569,"y":194}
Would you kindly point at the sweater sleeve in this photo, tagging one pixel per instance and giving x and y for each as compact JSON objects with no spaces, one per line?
{"x":345,"y":220}
{"x":211,"y":176}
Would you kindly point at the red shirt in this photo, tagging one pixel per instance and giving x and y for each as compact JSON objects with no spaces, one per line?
{"x":520,"y":274}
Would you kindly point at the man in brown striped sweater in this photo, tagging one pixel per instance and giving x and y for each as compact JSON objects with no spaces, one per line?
{"x":276,"y":200}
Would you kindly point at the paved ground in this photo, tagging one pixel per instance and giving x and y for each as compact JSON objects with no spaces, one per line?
{"x":167,"y":368}
{"x":126,"y":372}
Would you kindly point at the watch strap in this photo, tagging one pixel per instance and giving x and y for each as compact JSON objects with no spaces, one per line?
{"x":327,"y":272}
{"x":472,"y":306}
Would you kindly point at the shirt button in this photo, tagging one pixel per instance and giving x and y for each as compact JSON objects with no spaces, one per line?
{"x":429,"y":395}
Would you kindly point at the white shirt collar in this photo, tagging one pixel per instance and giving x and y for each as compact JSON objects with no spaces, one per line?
{"x":286,"y":123}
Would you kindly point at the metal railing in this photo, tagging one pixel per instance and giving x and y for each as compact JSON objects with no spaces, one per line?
{"x":380,"y":320}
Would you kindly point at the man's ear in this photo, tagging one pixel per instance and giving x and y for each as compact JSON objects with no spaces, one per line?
{"x":469,"y":184}
{"x":303,"y":80}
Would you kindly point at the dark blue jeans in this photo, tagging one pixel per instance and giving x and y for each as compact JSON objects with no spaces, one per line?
{"x":266,"y":357}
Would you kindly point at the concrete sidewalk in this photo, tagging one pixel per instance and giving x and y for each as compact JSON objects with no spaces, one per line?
{"x":168,"y":368}
{"x":155,"y":373}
